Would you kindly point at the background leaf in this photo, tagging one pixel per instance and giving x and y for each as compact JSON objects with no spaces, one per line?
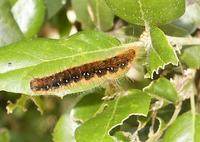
{"x":4,"y":135}
{"x":53,"y":6}
{"x":93,"y":13}
{"x":186,"y":24}
{"x":39,"y":103}
{"x":185,"y":129}
{"x":156,"y":89}
{"x":29,"y":14}
{"x":88,"y":106}
{"x":190,"y":20}
{"x":61,"y":23}
{"x":191,"y":56}
{"x":152,"y":11}
{"x":101,"y":15}
{"x":9,"y":30}
{"x":12,"y":2}
{"x":81,"y":9}
{"x":115,"y":112}
{"x":64,"y":130}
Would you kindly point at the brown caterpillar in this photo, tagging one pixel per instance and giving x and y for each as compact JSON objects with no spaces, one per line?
{"x":108,"y":68}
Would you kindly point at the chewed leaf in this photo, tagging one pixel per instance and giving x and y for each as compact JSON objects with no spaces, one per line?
{"x":161,"y":53}
{"x":22,"y":102}
{"x":114,"y":114}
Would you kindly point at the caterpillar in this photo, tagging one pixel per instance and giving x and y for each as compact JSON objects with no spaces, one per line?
{"x":109,"y":68}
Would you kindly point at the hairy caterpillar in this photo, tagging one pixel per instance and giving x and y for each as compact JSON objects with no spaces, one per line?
{"x":110,"y":68}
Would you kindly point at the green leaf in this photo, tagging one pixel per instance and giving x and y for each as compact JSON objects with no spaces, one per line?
{"x":23,"y":61}
{"x":192,"y":14}
{"x":186,"y":24}
{"x":4,"y":135}
{"x":161,"y":53}
{"x":172,"y":29}
{"x":153,"y":12}
{"x":101,"y":14}
{"x":63,"y":131}
{"x":12,"y":2}
{"x":81,"y":9}
{"x":162,"y":89}
{"x":93,"y":13}
{"x":9,"y":31}
{"x":53,"y":7}
{"x":88,"y":106}
{"x":97,"y":128}
{"x":29,"y":14}
{"x":60,"y":22}
{"x":185,"y":128}
{"x":191,"y":56}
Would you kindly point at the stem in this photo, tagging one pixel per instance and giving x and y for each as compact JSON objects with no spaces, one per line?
{"x":97,"y":15}
{"x":175,"y":115}
{"x":192,"y":104}
{"x":180,"y":41}
{"x":157,"y":135}
{"x":134,"y":44}
{"x":197,"y":84}
{"x":193,"y":110}
{"x":184,"y":41}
